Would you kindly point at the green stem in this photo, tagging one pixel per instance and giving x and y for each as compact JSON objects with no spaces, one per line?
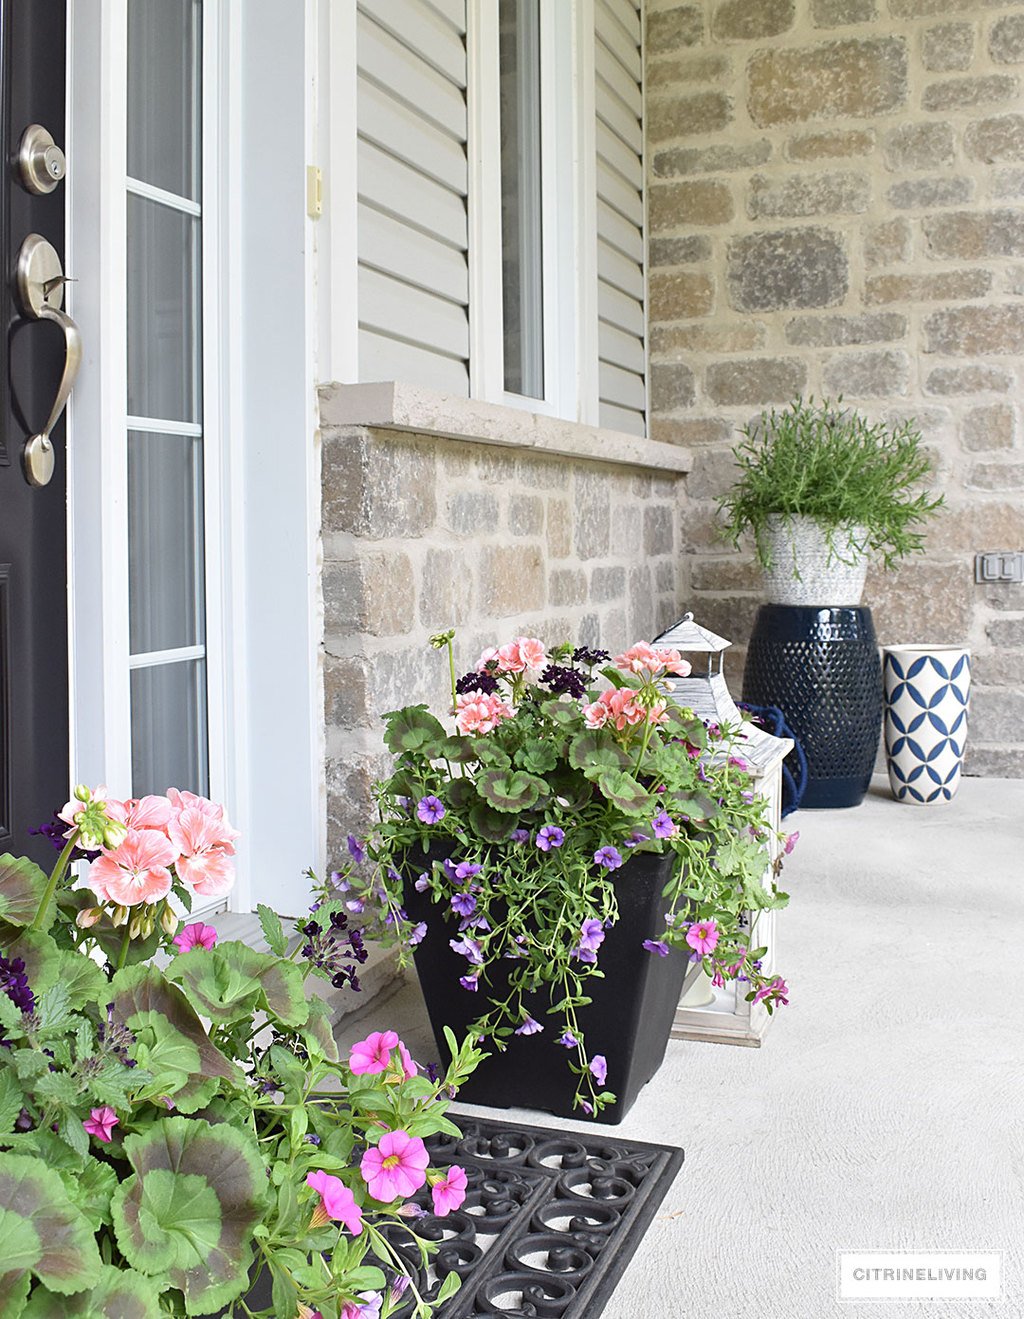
{"x":123,"y":951}
{"x":451,"y":672}
{"x":57,"y":874}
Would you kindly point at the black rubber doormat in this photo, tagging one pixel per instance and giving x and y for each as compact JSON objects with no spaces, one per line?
{"x":550,"y":1218}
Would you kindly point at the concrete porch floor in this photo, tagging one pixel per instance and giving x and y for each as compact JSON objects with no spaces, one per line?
{"x":886,"y":1107}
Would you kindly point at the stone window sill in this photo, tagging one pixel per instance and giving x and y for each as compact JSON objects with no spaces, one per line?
{"x":392,"y":405}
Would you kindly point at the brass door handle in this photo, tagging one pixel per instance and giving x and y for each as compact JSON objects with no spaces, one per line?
{"x":40,"y":283}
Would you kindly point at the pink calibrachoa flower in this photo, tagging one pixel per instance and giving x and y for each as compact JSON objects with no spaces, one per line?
{"x":791,"y":842}
{"x":372,"y":1055}
{"x":702,"y":936}
{"x":776,"y":991}
{"x":206,"y":842}
{"x":196,"y":935}
{"x":449,"y":1191}
{"x":137,"y":871}
{"x":367,"y":1307}
{"x":409,"y":1068}
{"x":396,"y":1167}
{"x":480,"y":712}
{"x":337,"y":1202}
{"x":101,"y":1123}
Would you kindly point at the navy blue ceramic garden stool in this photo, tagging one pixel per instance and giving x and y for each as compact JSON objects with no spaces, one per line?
{"x":820,"y":666}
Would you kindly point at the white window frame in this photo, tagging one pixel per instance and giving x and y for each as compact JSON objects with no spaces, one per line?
{"x":568,"y":211}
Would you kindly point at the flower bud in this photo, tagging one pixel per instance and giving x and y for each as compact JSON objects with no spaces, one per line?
{"x":147,"y":925}
{"x":168,"y":921}
{"x":114,"y":835}
{"x":118,"y":916}
{"x":135,"y":926}
{"x":82,"y":792}
{"x":88,"y":917}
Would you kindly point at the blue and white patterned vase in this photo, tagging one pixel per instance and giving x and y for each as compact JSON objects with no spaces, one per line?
{"x":927,"y":694}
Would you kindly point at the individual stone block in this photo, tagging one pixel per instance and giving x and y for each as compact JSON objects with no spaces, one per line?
{"x":988,"y":428}
{"x":1006,"y":40}
{"x":856,"y":79}
{"x":968,"y":235}
{"x":686,"y":70}
{"x":831,"y":146}
{"x":998,"y":669}
{"x":674,"y":28}
{"x":567,"y":586}
{"x":592,"y":521}
{"x":471,"y":512}
{"x":1006,"y":632}
{"x":799,"y":267}
{"x":711,"y":160}
{"x":345,"y":696}
{"x":676,"y":297}
{"x":607,"y":584}
{"x":730,"y":337}
{"x":887,"y":243}
{"x":378,"y":487}
{"x":993,"y":762}
{"x":997,"y":715}
{"x":735,"y":573}
{"x":375,"y":593}
{"x":672,"y":386}
{"x":920,"y":599}
{"x":713,"y":471}
{"x":975,"y":331}
{"x":947,"y":47}
{"x":995,"y":476}
{"x":748,"y":20}
{"x":929,"y":8}
{"x":1000,"y":138}
{"x":919,"y":146}
{"x":511,"y":580}
{"x":678,"y":251}
{"x":706,"y":202}
{"x":559,"y":521}
{"x":1007,"y":183}
{"x":839,"y":192}
{"x":961,"y":93}
{"x":626,"y":530}
{"x":944,"y":287}
{"x":836,"y":331}
{"x":947,"y":380}
{"x":659,"y":529}
{"x":756,"y":380}
{"x":867,"y":375}
{"x":446,"y":589}
{"x":921,"y":194}
{"x":686,"y":116}
{"x":692,"y":430}
{"x":525,"y":515}
{"x":841,"y":13}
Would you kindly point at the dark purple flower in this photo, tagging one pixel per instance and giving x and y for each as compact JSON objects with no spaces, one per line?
{"x":599,"y":1068}
{"x":550,"y":836}
{"x":585,"y":655}
{"x":664,"y":826}
{"x":656,"y":946}
{"x":55,"y":830}
{"x":355,"y":849}
{"x":609,"y":857}
{"x":476,"y":682}
{"x":430,"y":810}
{"x":14,"y":983}
{"x":564,"y":682}
{"x":464,"y":904}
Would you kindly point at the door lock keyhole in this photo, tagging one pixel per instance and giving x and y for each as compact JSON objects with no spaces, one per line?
{"x":41,"y":163}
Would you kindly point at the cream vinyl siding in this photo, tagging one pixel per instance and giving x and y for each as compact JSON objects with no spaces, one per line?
{"x":620,"y":215}
{"x":412,"y":180}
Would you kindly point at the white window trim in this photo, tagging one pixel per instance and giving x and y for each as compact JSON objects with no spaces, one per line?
{"x":568,"y":181}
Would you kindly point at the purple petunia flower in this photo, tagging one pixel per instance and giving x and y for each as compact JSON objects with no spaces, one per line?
{"x":417,"y":934}
{"x":464,"y":904}
{"x":568,"y":1040}
{"x":422,"y":883}
{"x":529,"y":1027}
{"x":355,"y":849}
{"x":550,"y":836}
{"x":520,"y":835}
{"x":467,"y":869}
{"x":355,"y":904}
{"x":656,"y":946}
{"x":737,"y":762}
{"x":609,"y":857}
{"x":587,"y":1108}
{"x":599,"y":1068}
{"x":591,"y":935}
{"x":449,"y":868}
{"x":430,"y":810}
{"x":468,"y":948}
{"x":468,"y":982}
{"x":664,"y":826}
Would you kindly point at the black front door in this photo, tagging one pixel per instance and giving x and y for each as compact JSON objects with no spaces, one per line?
{"x":33,"y":536}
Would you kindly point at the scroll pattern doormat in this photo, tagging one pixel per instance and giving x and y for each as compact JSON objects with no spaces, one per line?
{"x":549,"y":1222}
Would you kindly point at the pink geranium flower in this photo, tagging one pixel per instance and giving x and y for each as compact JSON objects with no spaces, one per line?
{"x":449,"y":1192}
{"x":207,"y":843}
{"x":137,"y":871}
{"x":521,"y":654}
{"x":101,"y":1123}
{"x":480,"y":712}
{"x":620,"y":707}
{"x":396,"y":1167}
{"x":142,"y":812}
{"x":702,"y":936}
{"x":373,"y":1054}
{"x":645,"y":658}
{"x":196,"y":935}
{"x":336,"y":1202}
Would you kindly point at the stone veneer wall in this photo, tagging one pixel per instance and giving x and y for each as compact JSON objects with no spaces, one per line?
{"x":836,"y":200}
{"x":422,"y":533}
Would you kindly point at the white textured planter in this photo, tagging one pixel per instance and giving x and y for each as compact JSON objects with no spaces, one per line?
{"x":803,"y":570}
{"x":927,"y":694}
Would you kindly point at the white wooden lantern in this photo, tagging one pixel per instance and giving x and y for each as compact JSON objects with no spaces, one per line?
{"x":725,"y":1017}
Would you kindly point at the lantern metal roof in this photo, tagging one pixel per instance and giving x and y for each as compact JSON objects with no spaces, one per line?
{"x":687,"y":635}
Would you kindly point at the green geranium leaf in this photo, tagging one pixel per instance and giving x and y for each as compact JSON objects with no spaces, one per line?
{"x":13,"y":1291}
{"x":318,"y":1033}
{"x":623,"y":791}
{"x":171,"y":1041}
{"x":119,"y":1294}
{"x":273,"y":930}
{"x":12,"y":1100}
{"x":413,"y":729}
{"x":461,"y":794}
{"x":42,"y":1232}
{"x":39,"y":953}
{"x":22,"y":885}
{"x":596,"y":750}
{"x":538,"y":757}
{"x":511,"y":790}
{"x":82,"y":978}
{"x":461,"y":750}
{"x":561,"y":712}
{"x":189,"y":1210}
{"x":91,"y":1189}
{"x":228,"y":981}
{"x":697,"y":805}
{"x":491,"y":825}
{"x":490,"y":755}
